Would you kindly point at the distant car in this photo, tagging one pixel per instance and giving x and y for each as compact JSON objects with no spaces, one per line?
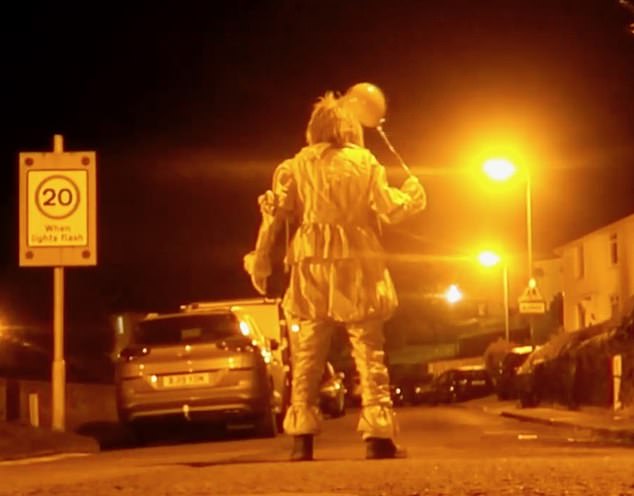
{"x":210,"y":363}
{"x":332,"y":392}
{"x":402,"y":393}
{"x":506,"y":385}
{"x":460,"y":385}
{"x":352,"y":385}
{"x":423,"y":392}
{"x":397,"y":394}
{"x":410,"y":389}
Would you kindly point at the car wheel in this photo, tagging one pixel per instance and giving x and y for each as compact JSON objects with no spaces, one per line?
{"x":139,"y":434}
{"x":286,"y":403}
{"x":266,"y":424}
{"x":339,"y":406}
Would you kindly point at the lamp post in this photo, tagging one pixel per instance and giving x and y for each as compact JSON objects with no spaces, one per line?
{"x":453,"y":294}
{"x":500,"y":169}
{"x":490,"y":259}
{"x":529,"y":226}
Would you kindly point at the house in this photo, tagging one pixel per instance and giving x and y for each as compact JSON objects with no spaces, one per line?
{"x":598,"y":274}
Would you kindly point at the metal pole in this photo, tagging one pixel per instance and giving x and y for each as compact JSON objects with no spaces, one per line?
{"x":529,"y":225}
{"x":529,"y":240}
{"x":59,"y":366}
{"x":506,"y":302}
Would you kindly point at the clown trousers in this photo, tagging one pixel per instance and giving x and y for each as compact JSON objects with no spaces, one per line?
{"x":309,"y":349}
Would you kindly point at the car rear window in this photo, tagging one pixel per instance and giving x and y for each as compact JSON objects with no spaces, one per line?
{"x":187,"y":329}
{"x":478,"y":375}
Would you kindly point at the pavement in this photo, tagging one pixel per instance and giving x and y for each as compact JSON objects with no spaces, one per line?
{"x":604,"y":423}
{"x":20,"y":441}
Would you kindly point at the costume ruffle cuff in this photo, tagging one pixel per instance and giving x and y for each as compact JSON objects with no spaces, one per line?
{"x":257,"y":263}
{"x":302,"y":419}
{"x":378,"y":421}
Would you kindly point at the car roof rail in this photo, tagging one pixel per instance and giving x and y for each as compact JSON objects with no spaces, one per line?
{"x":210,"y":305}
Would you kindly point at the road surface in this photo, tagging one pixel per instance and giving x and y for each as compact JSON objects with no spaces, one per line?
{"x":453,"y":450}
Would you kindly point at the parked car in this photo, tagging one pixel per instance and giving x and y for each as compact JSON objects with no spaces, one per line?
{"x":332,"y":392}
{"x":506,"y":379}
{"x":460,"y":385}
{"x":423,"y":390}
{"x":397,"y":394}
{"x":210,"y":362}
{"x":408,"y":390}
{"x":352,"y":384}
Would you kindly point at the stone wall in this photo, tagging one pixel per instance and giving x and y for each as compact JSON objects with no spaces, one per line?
{"x":85,"y":403}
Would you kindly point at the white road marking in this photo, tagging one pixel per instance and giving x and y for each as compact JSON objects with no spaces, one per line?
{"x":42,"y":459}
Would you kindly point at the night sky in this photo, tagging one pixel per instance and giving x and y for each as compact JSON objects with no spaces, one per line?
{"x":191,"y":105}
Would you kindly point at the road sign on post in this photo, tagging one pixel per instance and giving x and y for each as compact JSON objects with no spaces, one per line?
{"x":58,"y":228}
{"x":531,"y":301}
{"x":58,"y":209}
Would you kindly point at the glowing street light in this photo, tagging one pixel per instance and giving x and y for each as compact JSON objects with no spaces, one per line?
{"x":488,"y":258}
{"x":491,"y":259}
{"x":499,"y":169}
{"x":453,"y":294}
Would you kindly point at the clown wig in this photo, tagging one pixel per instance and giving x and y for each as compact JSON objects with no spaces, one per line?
{"x":332,"y":123}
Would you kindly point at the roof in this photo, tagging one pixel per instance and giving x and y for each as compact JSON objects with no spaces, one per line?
{"x":227,"y":304}
{"x":170,"y":315}
{"x":558,"y":250}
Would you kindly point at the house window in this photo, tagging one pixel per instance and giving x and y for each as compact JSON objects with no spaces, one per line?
{"x":579,"y":262}
{"x":614,"y":249}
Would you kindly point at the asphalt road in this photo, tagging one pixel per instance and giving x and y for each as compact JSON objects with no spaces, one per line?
{"x":453,"y":450}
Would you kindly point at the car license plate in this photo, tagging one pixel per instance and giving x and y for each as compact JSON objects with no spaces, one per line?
{"x":478,"y":383}
{"x":185,"y":380}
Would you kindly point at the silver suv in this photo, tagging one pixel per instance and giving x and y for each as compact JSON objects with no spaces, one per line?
{"x":210,"y":363}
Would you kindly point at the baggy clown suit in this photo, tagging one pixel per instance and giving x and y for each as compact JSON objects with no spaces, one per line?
{"x":337,"y":271}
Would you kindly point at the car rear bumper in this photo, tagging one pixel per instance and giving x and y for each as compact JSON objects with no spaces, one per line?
{"x":213,"y":402}
{"x":212,"y":408}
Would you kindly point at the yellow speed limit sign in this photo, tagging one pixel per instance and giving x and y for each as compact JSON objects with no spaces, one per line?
{"x":58,"y":209}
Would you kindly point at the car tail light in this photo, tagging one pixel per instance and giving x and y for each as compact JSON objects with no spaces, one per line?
{"x":131,"y":352}
{"x":239,"y":344}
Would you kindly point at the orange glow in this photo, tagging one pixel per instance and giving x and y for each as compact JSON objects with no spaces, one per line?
{"x":499,"y":169}
{"x":453,"y":294}
{"x":489,"y":258}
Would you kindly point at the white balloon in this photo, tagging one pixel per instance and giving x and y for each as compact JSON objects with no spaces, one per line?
{"x":367,"y":102}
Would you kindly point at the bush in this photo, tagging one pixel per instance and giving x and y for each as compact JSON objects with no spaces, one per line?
{"x":574,"y":368}
{"x":494,"y":356}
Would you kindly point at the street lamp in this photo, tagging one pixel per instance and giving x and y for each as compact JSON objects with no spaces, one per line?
{"x":501,"y":169}
{"x":453,"y":294}
{"x":490,"y":259}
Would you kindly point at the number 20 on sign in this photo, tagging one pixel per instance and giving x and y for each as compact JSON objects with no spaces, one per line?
{"x":58,"y":209}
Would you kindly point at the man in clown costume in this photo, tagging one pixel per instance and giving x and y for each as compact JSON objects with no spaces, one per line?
{"x":334,"y":189}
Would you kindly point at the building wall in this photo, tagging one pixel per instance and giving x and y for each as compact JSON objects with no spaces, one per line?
{"x":597,"y":275}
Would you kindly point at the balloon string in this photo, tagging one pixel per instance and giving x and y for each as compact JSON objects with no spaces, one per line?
{"x":379,"y":128}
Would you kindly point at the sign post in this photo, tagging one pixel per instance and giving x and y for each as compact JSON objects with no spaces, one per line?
{"x":531,"y":303}
{"x":58,"y":228}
